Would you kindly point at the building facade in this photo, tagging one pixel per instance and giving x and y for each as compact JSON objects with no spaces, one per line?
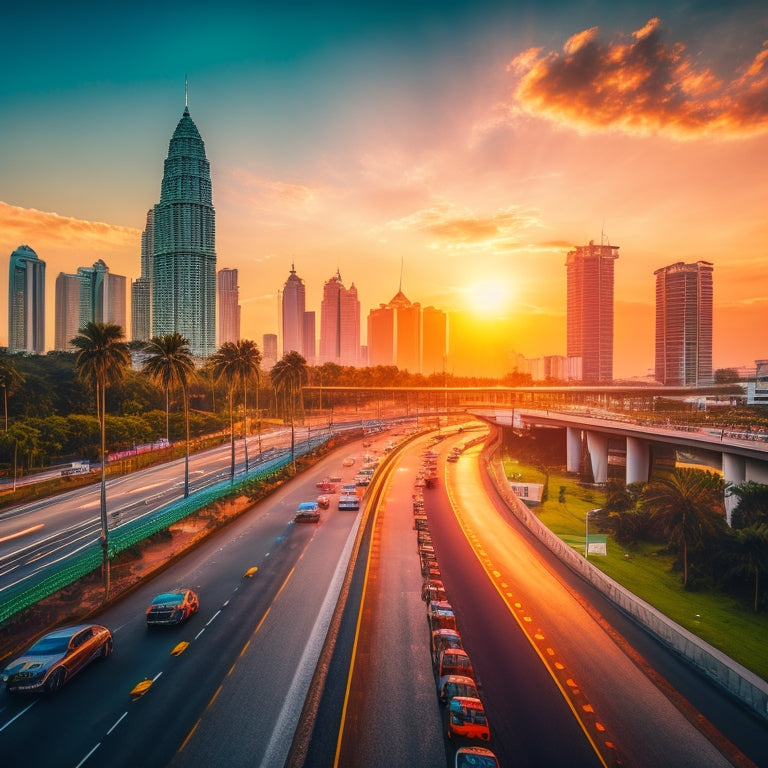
{"x":26,"y":302}
{"x":395,"y":334}
{"x":102,"y":296}
{"x":141,"y":288}
{"x":184,"y":250}
{"x":67,"y":311}
{"x":229,"y":306}
{"x":293,"y":305}
{"x":684,"y":298}
{"x":434,"y":346}
{"x":339,"y":323}
{"x":590,"y":311}
{"x":269,"y":350}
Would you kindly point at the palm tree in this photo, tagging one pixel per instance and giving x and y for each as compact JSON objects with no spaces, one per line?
{"x":10,"y":380}
{"x":170,"y":363}
{"x":688,"y":505}
{"x":749,"y":556}
{"x":287,"y":375}
{"x":249,"y":360}
{"x":223,"y":364}
{"x":102,"y":359}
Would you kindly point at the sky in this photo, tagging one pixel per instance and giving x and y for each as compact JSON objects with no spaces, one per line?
{"x":462,"y":147}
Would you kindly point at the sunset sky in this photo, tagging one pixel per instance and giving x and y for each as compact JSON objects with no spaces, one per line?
{"x":472,"y":142}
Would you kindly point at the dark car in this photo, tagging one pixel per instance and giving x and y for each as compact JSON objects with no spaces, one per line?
{"x":172,"y":607}
{"x":475,"y":757}
{"x":57,"y":657}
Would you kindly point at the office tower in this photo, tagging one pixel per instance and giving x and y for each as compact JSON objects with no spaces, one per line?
{"x":26,"y":302}
{"x":434,"y":349}
{"x":141,"y":288}
{"x":684,"y":324}
{"x":67,"y":309}
{"x":269,"y":348}
{"x":229,"y":306}
{"x":339,"y":323}
{"x":381,"y":336}
{"x":184,"y":255}
{"x":394,"y":334}
{"x":308,"y":338}
{"x":590,"y":312}
{"x":102,"y":296}
{"x":293,"y":307}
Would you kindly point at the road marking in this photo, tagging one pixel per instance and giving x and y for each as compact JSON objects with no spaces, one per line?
{"x":18,"y":715}
{"x":25,"y":532}
{"x":117,"y":722}
{"x":88,"y":755}
{"x":213,"y":617}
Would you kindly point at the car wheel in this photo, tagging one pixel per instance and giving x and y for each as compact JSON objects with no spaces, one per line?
{"x":55,"y":681}
{"x":106,"y":649}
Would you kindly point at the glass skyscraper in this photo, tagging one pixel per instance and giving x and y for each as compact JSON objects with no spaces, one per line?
{"x":26,"y":302}
{"x":184,"y":263}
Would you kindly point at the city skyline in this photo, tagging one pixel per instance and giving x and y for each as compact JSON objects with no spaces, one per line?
{"x":475,"y":144}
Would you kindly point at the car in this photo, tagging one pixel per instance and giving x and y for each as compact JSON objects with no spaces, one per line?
{"x":466,"y":718}
{"x":455,"y":685}
{"x":455,"y":661}
{"x":349,"y":502}
{"x":307,"y":512}
{"x":348,"y":462}
{"x":326,"y":486}
{"x":172,"y":607}
{"x":443,"y":639}
{"x":475,"y":757}
{"x":323,"y":502}
{"x":441,"y":618}
{"x":57,"y":657}
{"x":335,"y":478}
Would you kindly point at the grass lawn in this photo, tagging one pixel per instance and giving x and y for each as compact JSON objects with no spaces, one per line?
{"x":714,"y":616}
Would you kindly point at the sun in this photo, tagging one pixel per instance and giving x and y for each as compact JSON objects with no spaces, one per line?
{"x":488,"y":298}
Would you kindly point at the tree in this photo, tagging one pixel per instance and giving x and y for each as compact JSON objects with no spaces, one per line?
{"x":748,"y":556}
{"x":102,"y":359}
{"x":752,"y":508}
{"x":249,"y":360}
{"x":688,"y":506}
{"x":223,"y":364}
{"x":169,"y":363}
{"x":287,"y":376}
{"x":10,"y":381}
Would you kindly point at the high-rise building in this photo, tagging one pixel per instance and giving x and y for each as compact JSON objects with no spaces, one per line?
{"x":184,"y":255}
{"x":67,"y":309}
{"x":229,"y":306}
{"x":102,"y":296}
{"x":141,"y":288}
{"x":381,"y":336}
{"x":308,"y":337}
{"x":293,"y":307}
{"x":269,"y":349}
{"x":434,"y":347}
{"x":339,"y":323}
{"x":394,"y":334}
{"x":684,"y":324}
{"x":26,"y":301}
{"x":590,"y":311}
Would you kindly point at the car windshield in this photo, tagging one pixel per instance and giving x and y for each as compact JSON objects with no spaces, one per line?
{"x":459,"y":689}
{"x":465,"y":760}
{"x":48,"y":645}
{"x":168,"y":597}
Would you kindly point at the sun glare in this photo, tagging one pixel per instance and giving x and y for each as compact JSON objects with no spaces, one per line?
{"x":488,"y":298}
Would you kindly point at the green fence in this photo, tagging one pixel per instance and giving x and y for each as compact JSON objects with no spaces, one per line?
{"x":17,"y":597}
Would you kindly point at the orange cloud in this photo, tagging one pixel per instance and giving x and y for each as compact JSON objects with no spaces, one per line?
{"x":41,"y":229}
{"x":640,"y":85}
{"x":458,"y":228}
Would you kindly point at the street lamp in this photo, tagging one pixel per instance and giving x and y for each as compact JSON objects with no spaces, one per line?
{"x":586,"y":530}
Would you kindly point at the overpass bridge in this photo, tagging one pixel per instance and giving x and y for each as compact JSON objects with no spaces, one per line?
{"x":743,"y":456}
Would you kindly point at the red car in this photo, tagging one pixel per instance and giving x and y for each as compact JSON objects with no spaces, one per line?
{"x":466,"y":717}
{"x":323,"y":502}
{"x":172,"y":607}
{"x":326,"y":486}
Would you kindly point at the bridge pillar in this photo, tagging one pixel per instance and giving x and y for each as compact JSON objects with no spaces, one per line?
{"x":735,"y":473}
{"x":638,"y":460}
{"x":597,"y":444}
{"x":573,"y":449}
{"x":756,"y":471}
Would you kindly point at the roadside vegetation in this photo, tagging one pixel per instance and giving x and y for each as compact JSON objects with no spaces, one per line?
{"x":722,"y":598}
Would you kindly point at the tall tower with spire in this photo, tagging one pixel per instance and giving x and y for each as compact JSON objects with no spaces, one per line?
{"x":184,"y":258}
{"x":293,"y":308}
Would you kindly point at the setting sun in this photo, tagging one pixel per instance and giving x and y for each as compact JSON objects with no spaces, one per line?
{"x":488,"y":298}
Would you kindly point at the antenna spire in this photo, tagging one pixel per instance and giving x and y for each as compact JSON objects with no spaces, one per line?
{"x":186,"y":92}
{"x":400,"y":287}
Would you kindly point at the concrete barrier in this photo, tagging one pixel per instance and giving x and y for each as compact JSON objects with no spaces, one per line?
{"x":729,"y":674}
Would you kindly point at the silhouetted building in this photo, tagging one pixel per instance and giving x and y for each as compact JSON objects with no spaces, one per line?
{"x":434,"y":345}
{"x":141,"y":288}
{"x":339,"y":323}
{"x":229,"y":306}
{"x":684,"y":324}
{"x":269,"y":350}
{"x":590,"y":311}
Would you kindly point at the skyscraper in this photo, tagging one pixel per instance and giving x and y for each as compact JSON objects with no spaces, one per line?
{"x":339,"y":323}
{"x":434,"y":348}
{"x":141,"y":288}
{"x":269,"y":349}
{"x":684,"y":324}
{"x":67,"y":309}
{"x":308,"y":338}
{"x":184,"y":255}
{"x":293,"y":307}
{"x":229,"y":306}
{"x":590,"y":312}
{"x":26,"y":301}
{"x":102,"y":296}
{"x":394,"y":334}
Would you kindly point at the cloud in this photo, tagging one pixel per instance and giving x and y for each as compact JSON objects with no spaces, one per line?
{"x":454,"y":227}
{"x":41,"y":229}
{"x":640,"y":85}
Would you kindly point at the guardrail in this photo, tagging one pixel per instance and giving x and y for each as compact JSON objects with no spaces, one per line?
{"x":31,"y":590}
